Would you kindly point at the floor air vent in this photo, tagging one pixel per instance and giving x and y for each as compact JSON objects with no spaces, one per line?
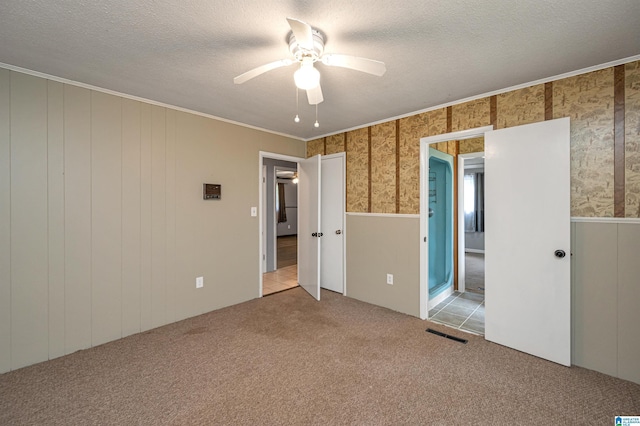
{"x":448,"y":336}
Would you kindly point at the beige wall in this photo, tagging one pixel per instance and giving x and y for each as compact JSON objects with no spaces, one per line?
{"x":605,"y":295}
{"x":605,"y":284}
{"x":103,"y":229}
{"x":381,"y":245}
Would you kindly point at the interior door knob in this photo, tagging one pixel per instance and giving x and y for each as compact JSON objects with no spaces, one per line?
{"x":560,"y":253}
{"x":338,"y":232}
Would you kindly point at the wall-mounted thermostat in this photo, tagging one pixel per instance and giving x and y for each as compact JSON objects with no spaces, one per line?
{"x":211,"y":191}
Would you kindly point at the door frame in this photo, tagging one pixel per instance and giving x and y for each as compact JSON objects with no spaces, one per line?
{"x":263,"y":220}
{"x":261,"y":213}
{"x":342,"y":155}
{"x":424,"y":188}
{"x":462,"y":158}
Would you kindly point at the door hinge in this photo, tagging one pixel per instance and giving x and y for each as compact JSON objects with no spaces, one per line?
{"x":425,"y":239}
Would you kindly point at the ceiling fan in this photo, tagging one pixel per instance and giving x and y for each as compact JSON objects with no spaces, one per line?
{"x":307,"y":47}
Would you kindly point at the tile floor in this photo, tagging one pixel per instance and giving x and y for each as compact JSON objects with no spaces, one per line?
{"x":280,"y":279}
{"x":464,"y":311}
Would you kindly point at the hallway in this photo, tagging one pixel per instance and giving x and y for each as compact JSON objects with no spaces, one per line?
{"x":286,"y":276}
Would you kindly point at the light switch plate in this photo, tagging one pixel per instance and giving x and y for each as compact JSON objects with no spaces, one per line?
{"x":199,"y":282}
{"x":254,"y":211}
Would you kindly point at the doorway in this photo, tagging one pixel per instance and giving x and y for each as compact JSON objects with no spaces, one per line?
{"x":428,"y":303}
{"x":528,"y":236}
{"x":299,"y":242}
{"x":463,"y":308}
{"x":279,"y":219}
{"x":285,"y":250}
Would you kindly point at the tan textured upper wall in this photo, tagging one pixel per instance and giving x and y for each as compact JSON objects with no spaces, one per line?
{"x":383,"y":168}
{"x":632,"y":139}
{"x":358,"y":171}
{"x":588,"y":99}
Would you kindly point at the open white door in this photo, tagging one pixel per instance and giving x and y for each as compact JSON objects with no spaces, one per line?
{"x":527,"y":239}
{"x":309,"y":225}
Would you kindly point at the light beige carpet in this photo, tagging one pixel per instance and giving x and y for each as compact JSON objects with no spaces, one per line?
{"x":289,"y":360}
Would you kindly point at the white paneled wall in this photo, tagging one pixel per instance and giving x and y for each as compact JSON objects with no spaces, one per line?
{"x":103,"y":228}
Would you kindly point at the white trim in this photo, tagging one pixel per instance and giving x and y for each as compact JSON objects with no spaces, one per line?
{"x":344,"y":219}
{"x":468,"y":250}
{"x":403,"y":215}
{"x":424,"y":187}
{"x":336,"y":155}
{"x":263,"y":222}
{"x":440,"y":298}
{"x":473,"y":166}
{"x":140,"y":99}
{"x":462,"y":271}
{"x":261,"y":156}
{"x":628,"y":220}
{"x":457,"y":136}
{"x":489,"y":94}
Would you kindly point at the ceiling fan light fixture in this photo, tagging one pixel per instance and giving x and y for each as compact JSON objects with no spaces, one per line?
{"x":307,"y":77}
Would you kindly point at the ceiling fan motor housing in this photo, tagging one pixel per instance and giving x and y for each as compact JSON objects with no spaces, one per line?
{"x":299,"y":53}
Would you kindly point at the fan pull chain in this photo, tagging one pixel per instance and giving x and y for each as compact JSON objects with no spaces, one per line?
{"x":316,"y":124}
{"x":297,"y":118}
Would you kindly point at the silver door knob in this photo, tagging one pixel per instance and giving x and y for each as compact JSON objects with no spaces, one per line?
{"x":338,"y":232}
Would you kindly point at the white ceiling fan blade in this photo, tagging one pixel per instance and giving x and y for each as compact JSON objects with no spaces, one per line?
{"x":315,"y":95}
{"x":302,"y":32}
{"x":369,"y":66}
{"x":261,"y":70}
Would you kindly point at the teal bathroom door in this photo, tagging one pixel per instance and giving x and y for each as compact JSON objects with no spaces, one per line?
{"x":309,"y":225}
{"x":527,"y":239}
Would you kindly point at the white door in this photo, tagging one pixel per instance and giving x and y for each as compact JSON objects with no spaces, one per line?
{"x":527,"y":224}
{"x":309,"y":225}
{"x":332,"y":207}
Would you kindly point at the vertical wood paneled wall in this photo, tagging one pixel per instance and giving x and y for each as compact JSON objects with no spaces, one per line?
{"x":102,"y":224}
{"x":604,"y":107}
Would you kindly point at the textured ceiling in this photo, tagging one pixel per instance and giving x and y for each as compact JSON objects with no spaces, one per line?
{"x":186,"y":52}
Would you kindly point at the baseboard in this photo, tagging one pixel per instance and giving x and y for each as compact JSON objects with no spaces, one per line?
{"x":439,"y":298}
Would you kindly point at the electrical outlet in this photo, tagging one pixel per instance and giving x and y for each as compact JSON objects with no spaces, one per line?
{"x":390,"y":279}
{"x":199,"y":282}
{"x":288,"y":226}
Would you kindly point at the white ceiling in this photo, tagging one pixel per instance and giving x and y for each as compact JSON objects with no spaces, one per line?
{"x":186,"y":52}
